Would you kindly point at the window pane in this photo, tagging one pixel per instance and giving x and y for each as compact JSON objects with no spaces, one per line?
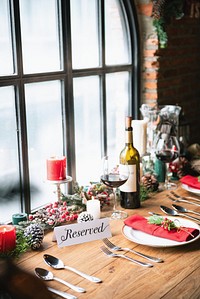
{"x":87,"y":127}
{"x":44,"y":126}
{"x":85,"y":34}
{"x":116,"y":34}
{"x":118,"y":94}
{"x":40,"y":39}
{"x":6,"y":57}
{"x":9,"y":171}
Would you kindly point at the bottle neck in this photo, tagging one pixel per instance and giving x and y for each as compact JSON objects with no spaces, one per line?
{"x":129,"y":136}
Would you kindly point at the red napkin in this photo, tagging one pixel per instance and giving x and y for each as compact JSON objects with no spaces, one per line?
{"x":140,"y":223}
{"x":191,"y":181}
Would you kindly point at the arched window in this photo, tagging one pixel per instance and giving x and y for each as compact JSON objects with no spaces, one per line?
{"x":69,"y":73}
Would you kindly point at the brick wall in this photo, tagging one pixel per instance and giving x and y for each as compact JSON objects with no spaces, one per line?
{"x":171,"y":75}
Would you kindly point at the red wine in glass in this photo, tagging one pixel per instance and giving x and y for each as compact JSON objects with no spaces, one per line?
{"x":167,"y":152}
{"x":114,"y":180}
{"x":113,"y":177}
{"x":167,"y":156}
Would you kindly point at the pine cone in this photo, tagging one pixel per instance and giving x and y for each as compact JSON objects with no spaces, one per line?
{"x":150,"y":182}
{"x":35,"y":234}
{"x":186,"y":168}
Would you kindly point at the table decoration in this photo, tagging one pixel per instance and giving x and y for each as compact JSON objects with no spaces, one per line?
{"x":93,"y":208}
{"x":17,"y":218}
{"x":162,"y":227}
{"x":7,"y":238}
{"x":56,"y":168}
{"x":78,"y":233}
{"x":56,"y":213}
{"x":20,"y":247}
{"x":35,"y":235}
{"x":69,"y":206}
{"x":140,"y":135}
{"x":191,"y":181}
{"x":84,"y":217}
{"x":189,"y":162}
{"x":97,"y":190}
{"x":150,"y":182}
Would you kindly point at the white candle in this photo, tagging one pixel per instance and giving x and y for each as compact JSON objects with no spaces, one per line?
{"x":93,"y":208}
{"x":140,"y":135}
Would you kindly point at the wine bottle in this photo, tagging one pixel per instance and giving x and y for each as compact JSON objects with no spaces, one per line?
{"x":130,"y":191}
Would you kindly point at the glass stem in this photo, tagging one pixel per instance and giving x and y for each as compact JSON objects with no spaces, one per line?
{"x":167,"y":174}
{"x":114,"y":200}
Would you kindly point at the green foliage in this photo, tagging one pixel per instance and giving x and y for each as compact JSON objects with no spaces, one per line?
{"x":163,"y":222}
{"x":172,"y":9}
{"x":144,"y":192}
{"x":159,"y":24}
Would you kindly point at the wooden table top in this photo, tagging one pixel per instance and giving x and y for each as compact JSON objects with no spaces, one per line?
{"x":177,"y":277}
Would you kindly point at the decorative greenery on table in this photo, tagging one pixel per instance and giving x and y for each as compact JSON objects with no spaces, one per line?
{"x":163,"y":222}
{"x":70,"y":206}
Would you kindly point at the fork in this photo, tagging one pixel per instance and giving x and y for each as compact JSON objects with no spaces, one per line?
{"x":184,"y":197}
{"x":111,"y":254}
{"x":183,"y":200}
{"x":114,"y":247}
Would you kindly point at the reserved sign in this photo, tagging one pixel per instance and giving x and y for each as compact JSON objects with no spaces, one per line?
{"x":82,"y":232}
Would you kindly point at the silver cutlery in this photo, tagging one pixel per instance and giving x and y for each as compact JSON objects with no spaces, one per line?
{"x":62,"y":294}
{"x":114,"y":247}
{"x":111,"y":254}
{"x":56,"y":263}
{"x":184,"y":210}
{"x":183,"y":200}
{"x":184,"y":197}
{"x":172,"y":212}
{"x":48,"y":275}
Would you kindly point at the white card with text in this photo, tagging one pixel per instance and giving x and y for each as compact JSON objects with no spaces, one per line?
{"x":77,"y":233}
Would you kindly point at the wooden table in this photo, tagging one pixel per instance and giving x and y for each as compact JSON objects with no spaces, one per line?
{"x":177,"y":277}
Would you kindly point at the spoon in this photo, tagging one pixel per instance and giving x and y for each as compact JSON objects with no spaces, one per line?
{"x":172,"y":212}
{"x":184,"y":210}
{"x":62,"y":294}
{"x":48,"y":275}
{"x":56,"y":263}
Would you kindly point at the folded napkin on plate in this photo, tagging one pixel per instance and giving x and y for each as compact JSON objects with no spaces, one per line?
{"x":191,"y":181}
{"x":140,"y":223}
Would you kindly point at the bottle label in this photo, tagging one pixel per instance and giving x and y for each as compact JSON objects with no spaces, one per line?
{"x":130,"y":185}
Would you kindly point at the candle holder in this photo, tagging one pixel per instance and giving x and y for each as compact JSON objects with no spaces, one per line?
{"x":58,"y":185}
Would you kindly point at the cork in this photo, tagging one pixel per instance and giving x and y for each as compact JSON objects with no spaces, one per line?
{"x":128,"y":121}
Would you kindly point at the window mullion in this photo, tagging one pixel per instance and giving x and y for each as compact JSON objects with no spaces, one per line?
{"x":17,"y":44}
{"x":67,"y":98}
{"x":23,"y":148}
{"x":21,"y":111}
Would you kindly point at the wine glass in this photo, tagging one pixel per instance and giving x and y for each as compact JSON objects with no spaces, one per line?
{"x":114,"y":178}
{"x":167,"y":150}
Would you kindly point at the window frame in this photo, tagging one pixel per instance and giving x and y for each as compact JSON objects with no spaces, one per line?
{"x":18,"y":80}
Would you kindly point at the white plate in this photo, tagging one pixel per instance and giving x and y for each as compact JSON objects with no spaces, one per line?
{"x":149,"y":240}
{"x":190,"y":189}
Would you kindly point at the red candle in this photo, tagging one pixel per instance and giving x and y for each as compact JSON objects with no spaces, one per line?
{"x":7,"y":238}
{"x":56,"y":168}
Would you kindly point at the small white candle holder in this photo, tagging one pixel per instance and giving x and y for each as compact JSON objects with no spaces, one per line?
{"x":58,"y":185}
